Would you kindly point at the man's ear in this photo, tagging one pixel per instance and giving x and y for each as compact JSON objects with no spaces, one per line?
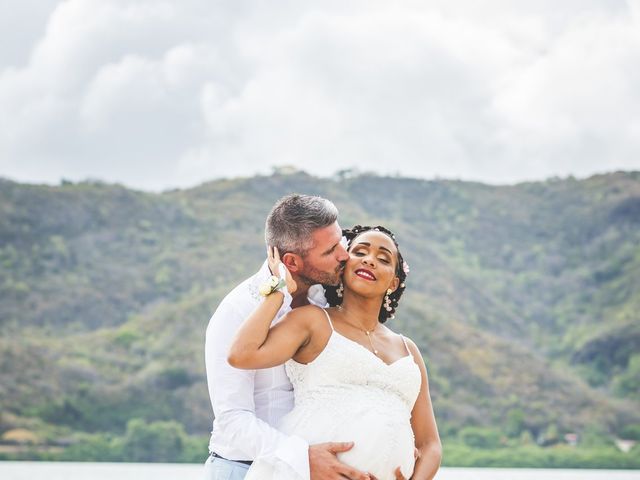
{"x":293,"y":262}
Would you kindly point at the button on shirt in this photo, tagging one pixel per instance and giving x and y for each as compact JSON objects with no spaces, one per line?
{"x":248,"y":404}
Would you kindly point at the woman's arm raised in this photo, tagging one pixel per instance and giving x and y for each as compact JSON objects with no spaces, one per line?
{"x":258,"y":345}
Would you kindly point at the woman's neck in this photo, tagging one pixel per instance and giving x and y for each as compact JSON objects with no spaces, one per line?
{"x":361,"y":311}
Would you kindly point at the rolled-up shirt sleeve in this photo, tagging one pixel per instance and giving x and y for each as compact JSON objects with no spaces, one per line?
{"x":238,"y":432}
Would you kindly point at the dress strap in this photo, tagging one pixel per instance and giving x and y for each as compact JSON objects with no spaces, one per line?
{"x":405,"y":344}
{"x":328,"y":318}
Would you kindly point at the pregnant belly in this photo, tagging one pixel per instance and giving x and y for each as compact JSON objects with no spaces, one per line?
{"x":383,"y":438}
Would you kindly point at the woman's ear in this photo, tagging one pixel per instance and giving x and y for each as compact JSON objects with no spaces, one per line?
{"x":293,"y":262}
{"x":394,"y":284}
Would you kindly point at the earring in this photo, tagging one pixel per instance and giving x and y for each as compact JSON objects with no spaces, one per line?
{"x":340,"y":290}
{"x":387,"y":301}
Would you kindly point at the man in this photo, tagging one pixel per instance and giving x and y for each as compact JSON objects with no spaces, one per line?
{"x":247,"y":404}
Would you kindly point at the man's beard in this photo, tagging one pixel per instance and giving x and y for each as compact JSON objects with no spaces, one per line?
{"x":312,"y":276}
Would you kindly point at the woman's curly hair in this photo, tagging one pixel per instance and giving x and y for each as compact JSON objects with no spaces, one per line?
{"x":401,"y":272}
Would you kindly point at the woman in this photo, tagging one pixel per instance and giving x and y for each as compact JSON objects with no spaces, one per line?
{"x":354,"y":379}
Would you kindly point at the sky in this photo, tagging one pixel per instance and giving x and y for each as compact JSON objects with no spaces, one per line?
{"x":159,"y":94}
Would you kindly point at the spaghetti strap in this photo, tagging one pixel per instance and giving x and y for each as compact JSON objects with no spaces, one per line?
{"x":405,"y":344}
{"x":328,"y":318}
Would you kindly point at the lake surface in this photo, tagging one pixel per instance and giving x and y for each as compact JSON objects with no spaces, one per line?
{"x":160,"y":471}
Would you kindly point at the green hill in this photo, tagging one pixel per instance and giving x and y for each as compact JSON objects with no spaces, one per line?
{"x":524,"y":299}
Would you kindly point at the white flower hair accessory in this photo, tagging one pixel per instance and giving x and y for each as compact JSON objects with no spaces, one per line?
{"x":405,"y":267}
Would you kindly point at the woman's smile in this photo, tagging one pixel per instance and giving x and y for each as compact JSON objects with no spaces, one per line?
{"x":366,"y":274}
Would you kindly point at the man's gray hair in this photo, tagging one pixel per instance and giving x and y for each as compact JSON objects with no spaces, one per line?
{"x":294,"y":218}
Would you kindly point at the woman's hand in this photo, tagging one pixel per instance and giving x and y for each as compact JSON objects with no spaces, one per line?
{"x":399,"y":475}
{"x":278,"y":268}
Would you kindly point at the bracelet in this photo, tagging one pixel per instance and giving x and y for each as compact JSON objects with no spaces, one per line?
{"x":273,"y":284}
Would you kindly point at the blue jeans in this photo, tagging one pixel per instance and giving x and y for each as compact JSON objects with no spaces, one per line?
{"x":221,"y":469}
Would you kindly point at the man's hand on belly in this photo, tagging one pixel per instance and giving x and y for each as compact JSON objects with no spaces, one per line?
{"x":324,"y":464}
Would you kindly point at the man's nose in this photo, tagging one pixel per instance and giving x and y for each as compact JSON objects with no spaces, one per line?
{"x":342,"y":253}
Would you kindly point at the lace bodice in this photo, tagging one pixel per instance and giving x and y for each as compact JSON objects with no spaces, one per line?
{"x":346,"y":367}
{"x":349,"y":394}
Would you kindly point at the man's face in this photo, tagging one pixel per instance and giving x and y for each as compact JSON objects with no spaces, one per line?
{"x":324,"y":261}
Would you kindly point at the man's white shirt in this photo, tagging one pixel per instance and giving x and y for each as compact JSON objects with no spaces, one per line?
{"x":249,"y":404}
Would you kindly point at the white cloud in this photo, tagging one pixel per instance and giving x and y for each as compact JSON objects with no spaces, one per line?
{"x":575,"y":106}
{"x":21,"y":25}
{"x":165,"y":93}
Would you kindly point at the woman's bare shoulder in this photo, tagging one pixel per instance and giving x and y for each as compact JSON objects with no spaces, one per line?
{"x":417,"y":354}
{"x":306,"y":313}
{"x":313,"y":319}
{"x":411,"y":345}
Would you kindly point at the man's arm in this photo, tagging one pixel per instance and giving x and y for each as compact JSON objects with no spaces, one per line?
{"x":232,"y":397}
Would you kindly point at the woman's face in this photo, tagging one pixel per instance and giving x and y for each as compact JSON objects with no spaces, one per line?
{"x":371,"y":268}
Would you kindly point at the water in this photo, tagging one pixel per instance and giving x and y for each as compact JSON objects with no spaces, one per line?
{"x":160,"y":471}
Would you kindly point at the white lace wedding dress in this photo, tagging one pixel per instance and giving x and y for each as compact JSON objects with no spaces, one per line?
{"x":349,"y":394}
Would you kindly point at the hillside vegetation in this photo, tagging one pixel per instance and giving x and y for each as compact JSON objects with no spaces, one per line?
{"x":524,"y":300}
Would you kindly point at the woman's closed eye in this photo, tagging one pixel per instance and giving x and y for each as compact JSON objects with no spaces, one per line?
{"x":361,"y":253}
